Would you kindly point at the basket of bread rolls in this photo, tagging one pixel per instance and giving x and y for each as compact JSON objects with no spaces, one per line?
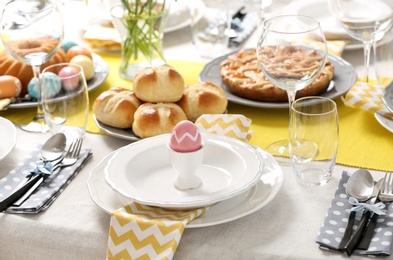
{"x":159,"y":100}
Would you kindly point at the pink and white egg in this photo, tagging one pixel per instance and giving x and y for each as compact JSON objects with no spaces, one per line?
{"x":185,"y":137}
{"x":69,"y":77}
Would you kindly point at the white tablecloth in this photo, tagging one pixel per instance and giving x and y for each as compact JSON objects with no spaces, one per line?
{"x":75,"y":228}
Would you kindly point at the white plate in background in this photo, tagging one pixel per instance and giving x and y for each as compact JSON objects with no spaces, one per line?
{"x":7,"y":137}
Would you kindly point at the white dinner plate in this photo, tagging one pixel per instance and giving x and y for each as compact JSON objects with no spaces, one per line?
{"x":234,"y":208}
{"x":179,"y":14}
{"x":344,"y":78}
{"x":142,"y":172}
{"x":7,"y":136}
{"x":101,"y":72}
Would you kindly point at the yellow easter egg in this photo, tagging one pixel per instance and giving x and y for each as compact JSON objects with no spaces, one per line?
{"x":86,"y":63}
{"x":10,"y":86}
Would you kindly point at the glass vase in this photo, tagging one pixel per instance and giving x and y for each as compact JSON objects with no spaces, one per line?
{"x":141,"y":27}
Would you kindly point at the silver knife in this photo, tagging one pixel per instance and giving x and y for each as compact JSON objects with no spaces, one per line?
{"x":357,"y":236}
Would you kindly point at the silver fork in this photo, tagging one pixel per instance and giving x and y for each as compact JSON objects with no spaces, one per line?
{"x":72,"y":154}
{"x":69,"y":159}
{"x":386,"y":194}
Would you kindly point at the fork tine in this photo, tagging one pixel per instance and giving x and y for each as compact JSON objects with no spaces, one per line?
{"x":78,"y":148}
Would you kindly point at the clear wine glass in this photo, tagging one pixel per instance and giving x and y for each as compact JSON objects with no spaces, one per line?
{"x":291,"y":52}
{"x":32,"y":32}
{"x":366,"y":21}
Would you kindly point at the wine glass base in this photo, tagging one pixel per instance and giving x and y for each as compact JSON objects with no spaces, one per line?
{"x":280,"y":151}
{"x":36,"y":126}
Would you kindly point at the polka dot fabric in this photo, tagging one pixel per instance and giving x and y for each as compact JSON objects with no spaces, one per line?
{"x":334,"y":225}
{"x":48,"y":191}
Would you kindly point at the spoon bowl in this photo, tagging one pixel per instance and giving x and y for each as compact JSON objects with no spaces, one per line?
{"x":360,"y":185}
{"x":53,"y":148}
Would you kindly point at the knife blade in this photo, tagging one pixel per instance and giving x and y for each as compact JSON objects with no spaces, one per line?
{"x":357,"y":236}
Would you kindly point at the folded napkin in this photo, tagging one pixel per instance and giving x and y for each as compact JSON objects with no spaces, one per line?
{"x":334,"y":225}
{"x":236,"y":126}
{"x":143,"y":232}
{"x":48,"y":191}
{"x":336,"y":47}
{"x":368,"y":97}
{"x":243,"y":28}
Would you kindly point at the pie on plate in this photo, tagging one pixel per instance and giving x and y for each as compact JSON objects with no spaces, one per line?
{"x":242,"y":75}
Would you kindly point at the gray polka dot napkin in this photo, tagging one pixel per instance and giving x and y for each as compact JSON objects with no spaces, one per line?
{"x":334,"y":225}
{"x":48,"y":191}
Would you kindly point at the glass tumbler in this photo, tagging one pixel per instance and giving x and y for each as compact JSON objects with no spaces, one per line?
{"x":65,"y":99}
{"x":314,"y":134}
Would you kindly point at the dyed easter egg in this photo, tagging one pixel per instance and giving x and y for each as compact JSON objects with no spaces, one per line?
{"x":10,"y":86}
{"x":69,"y":77}
{"x":51,"y":82}
{"x":86,"y":63}
{"x":78,"y":50}
{"x":67,"y":44}
{"x":185,"y":137}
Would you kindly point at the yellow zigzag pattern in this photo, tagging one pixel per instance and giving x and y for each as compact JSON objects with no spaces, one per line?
{"x":236,"y":126}
{"x":367,"y":97}
{"x":143,"y":232}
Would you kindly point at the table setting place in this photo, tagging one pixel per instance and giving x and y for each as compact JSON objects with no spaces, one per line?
{"x":172,"y":129}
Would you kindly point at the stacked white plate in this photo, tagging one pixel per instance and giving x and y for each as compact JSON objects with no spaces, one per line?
{"x":238,"y":179}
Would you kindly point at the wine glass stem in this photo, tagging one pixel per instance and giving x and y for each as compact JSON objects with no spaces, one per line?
{"x":291,"y":99}
{"x":367,"y":49}
{"x":40,"y":111}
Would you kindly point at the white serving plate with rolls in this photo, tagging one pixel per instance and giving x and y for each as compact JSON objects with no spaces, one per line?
{"x":142,"y":172}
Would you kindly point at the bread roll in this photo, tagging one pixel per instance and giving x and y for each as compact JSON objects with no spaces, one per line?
{"x":203,"y":98}
{"x":116,"y":107}
{"x":155,"y":119}
{"x":159,"y":84}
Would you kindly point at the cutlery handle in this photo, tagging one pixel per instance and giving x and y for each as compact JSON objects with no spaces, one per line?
{"x":15,"y":195}
{"x":354,"y":241}
{"x":368,"y":235}
{"x":348,"y":231}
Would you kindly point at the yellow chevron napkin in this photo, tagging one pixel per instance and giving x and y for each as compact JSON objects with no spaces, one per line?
{"x":336,"y":47}
{"x":368,"y":97}
{"x":232,"y":125}
{"x":143,"y":232}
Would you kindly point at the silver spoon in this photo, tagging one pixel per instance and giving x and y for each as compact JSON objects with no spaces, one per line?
{"x":360,"y":185}
{"x":53,"y":148}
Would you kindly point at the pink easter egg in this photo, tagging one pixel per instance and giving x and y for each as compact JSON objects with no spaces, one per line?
{"x":69,"y":77}
{"x":185,"y":137}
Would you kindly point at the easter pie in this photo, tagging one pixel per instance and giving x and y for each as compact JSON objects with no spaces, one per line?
{"x":243,"y":76}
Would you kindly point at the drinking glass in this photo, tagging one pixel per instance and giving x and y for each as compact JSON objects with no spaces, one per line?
{"x":366,"y":21}
{"x":26,"y":25}
{"x":314,"y":126}
{"x":291,"y":52}
{"x":66,"y":111}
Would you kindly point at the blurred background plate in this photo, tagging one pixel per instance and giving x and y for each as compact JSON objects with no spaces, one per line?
{"x":8,"y":137}
{"x":101,"y":73}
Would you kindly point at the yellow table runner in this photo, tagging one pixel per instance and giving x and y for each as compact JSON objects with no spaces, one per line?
{"x":363,"y":141}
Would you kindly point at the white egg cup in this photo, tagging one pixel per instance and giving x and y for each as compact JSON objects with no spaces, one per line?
{"x":186,"y":165}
